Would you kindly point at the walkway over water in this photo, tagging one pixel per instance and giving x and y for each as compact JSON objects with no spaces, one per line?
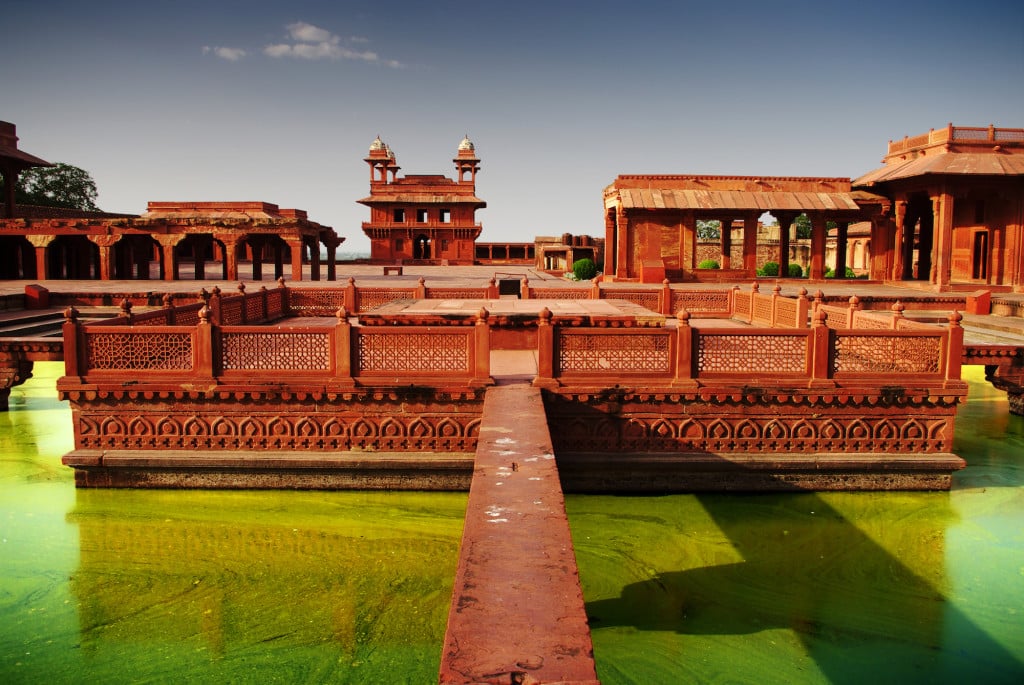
{"x":517,"y":608}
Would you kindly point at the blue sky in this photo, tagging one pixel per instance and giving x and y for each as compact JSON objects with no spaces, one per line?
{"x":280,"y":101}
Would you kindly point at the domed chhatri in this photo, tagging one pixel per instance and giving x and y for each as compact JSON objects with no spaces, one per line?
{"x":377,"y":144}
{"x":466,"y":144}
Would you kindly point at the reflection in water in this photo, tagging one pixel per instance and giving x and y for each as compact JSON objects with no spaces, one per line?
{"x":311,"y":585}
{"x":830,"y":588}
{"x":154,"y":586}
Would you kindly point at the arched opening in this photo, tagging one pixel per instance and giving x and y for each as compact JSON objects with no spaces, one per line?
{"x":73,"y":257}
{"x":134,"y":255}
{"x":421,"y":247}
{"x":17,"y":258}
{"x":195,"y":251}
{"x":261,"y":250}
{"x":917,"y":239}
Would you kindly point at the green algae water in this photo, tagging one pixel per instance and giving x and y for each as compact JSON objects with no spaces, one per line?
{"x":817,"y":588}
{"x":136,"y":586}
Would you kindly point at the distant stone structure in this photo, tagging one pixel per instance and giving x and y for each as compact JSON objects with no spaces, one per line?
{"x":12,"y":162}
{"x":651,"y":221}
{"x":422,"y":219}
{"x":958,"y":208}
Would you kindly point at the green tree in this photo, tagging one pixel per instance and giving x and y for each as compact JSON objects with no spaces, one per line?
{"x":60,"y":185}
{"x":585,"y":269}
{"x":803,"y":227}
{"x":709,"y":230}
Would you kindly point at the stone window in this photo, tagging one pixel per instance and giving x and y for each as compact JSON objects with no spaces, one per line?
{"x":421,"y":216}
{"x":446,"y":216}
{"x":399,"y":216}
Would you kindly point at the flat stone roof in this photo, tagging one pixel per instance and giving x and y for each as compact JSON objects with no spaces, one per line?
{"x":512,"y":311}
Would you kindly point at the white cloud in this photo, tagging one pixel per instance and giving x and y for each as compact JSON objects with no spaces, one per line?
{"x":314,"y":43}
{"x":230,"y":54}
{"x":307,"y":33}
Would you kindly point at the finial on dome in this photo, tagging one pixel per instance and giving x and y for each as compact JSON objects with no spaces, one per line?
{"x":377,"y":144}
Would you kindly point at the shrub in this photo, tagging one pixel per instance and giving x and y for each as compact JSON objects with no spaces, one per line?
{"x":585,"y":269}
{"x":708,"y":264}
{"x":769,"y":269}
{"x":849,"y":273}
{"x":795,"y":271}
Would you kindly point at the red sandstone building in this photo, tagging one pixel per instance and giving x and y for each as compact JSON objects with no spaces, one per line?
{"x":958,"y":208}
{"x":651,"y":221}
{"x":422,"y":219}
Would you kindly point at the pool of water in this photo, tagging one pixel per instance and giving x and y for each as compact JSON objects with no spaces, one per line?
{"x":205,"y":586}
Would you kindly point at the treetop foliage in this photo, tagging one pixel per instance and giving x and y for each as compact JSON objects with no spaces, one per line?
{"x":60,"y":185}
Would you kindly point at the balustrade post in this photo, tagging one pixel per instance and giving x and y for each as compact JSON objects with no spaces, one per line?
{"x":819,"y":351}
{"x":482,"y":349}
{"x":525,"y":292}
{"x":126,"y":311}
{"x":545,"y":351}
{"x":954,"y":346}
{"x":776,"y":294}
{"x":343,"y":348}
{"x":854,"y":307}
{"x":819,"y":299}
{"x":214,"y":305}
{"x":492,"y":289}
{"x":72,"y":330}
{"x":170,"y":315}
{"x":665,"y":299}
{"x":421,"y":289}
{"x":245,"y":313}
{"x":733,"y":294}
{"x":203,"y":363}
{"x":897,"y":314}
{"x":803,"y":305}
{"x":351,"y":301}
{"x":595,"y":290}
{"x":684,"y":350}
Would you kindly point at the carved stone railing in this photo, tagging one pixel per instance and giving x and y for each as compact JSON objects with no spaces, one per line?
{"x":688,"y":356}
{"x":337,"y":353}
{"x":773,"y":311}
{"x":957,"y":134}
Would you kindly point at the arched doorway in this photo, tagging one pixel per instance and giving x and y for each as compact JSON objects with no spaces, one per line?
{"x":17,"y":258}
{"x":196,"y":250}
{"x":264,"y":249}
{"x":73,"y":257}
{"x":421,"y":247}
{"x":133,"y":256}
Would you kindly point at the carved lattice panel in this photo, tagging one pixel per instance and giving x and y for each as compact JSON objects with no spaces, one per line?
{"x":305,"y":302}
{"x":456,"y":294}
{"x":886,"y":354}
{"x":563,"y":293}
{"x":275,"y":304}
{"x":412,"y":352}
{"x":231,"y":311}
{"x":188,"y":317}
{"x":137,"y":350}
{"x":762,"y":308}
{"x":254,"y":308}
{"x":870,"y":321}
{"x":371,"y":299}
{"x":742,"y":306}
{"x":734,"y":353}
{"x":285,"y":350}
{"x":786,"y":313}
{"x":700,"y":301}
{"x":645,"y":352}
{"x":647,"y":300}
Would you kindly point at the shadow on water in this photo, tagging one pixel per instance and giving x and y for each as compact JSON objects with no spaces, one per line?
{"x":861,"y":613}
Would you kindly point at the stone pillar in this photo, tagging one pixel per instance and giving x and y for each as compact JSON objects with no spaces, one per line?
{"x":725,"y":241}
{"x":296,"y":244}
{"x":899,"y":250}
{"x":841,"y":230}
{"x":750,"y":242}
{"x":168,"y":263}
{"x":688,"y":242}
{"x":314,"y":259}
{"x":106,"y":245}
{"x":819,"y":234}
{"x":621,"y":243}
{"x":942,"y":239}
{"x":785,"y":226}
{"x":41,"y":244}
{"x":230,"y":253}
